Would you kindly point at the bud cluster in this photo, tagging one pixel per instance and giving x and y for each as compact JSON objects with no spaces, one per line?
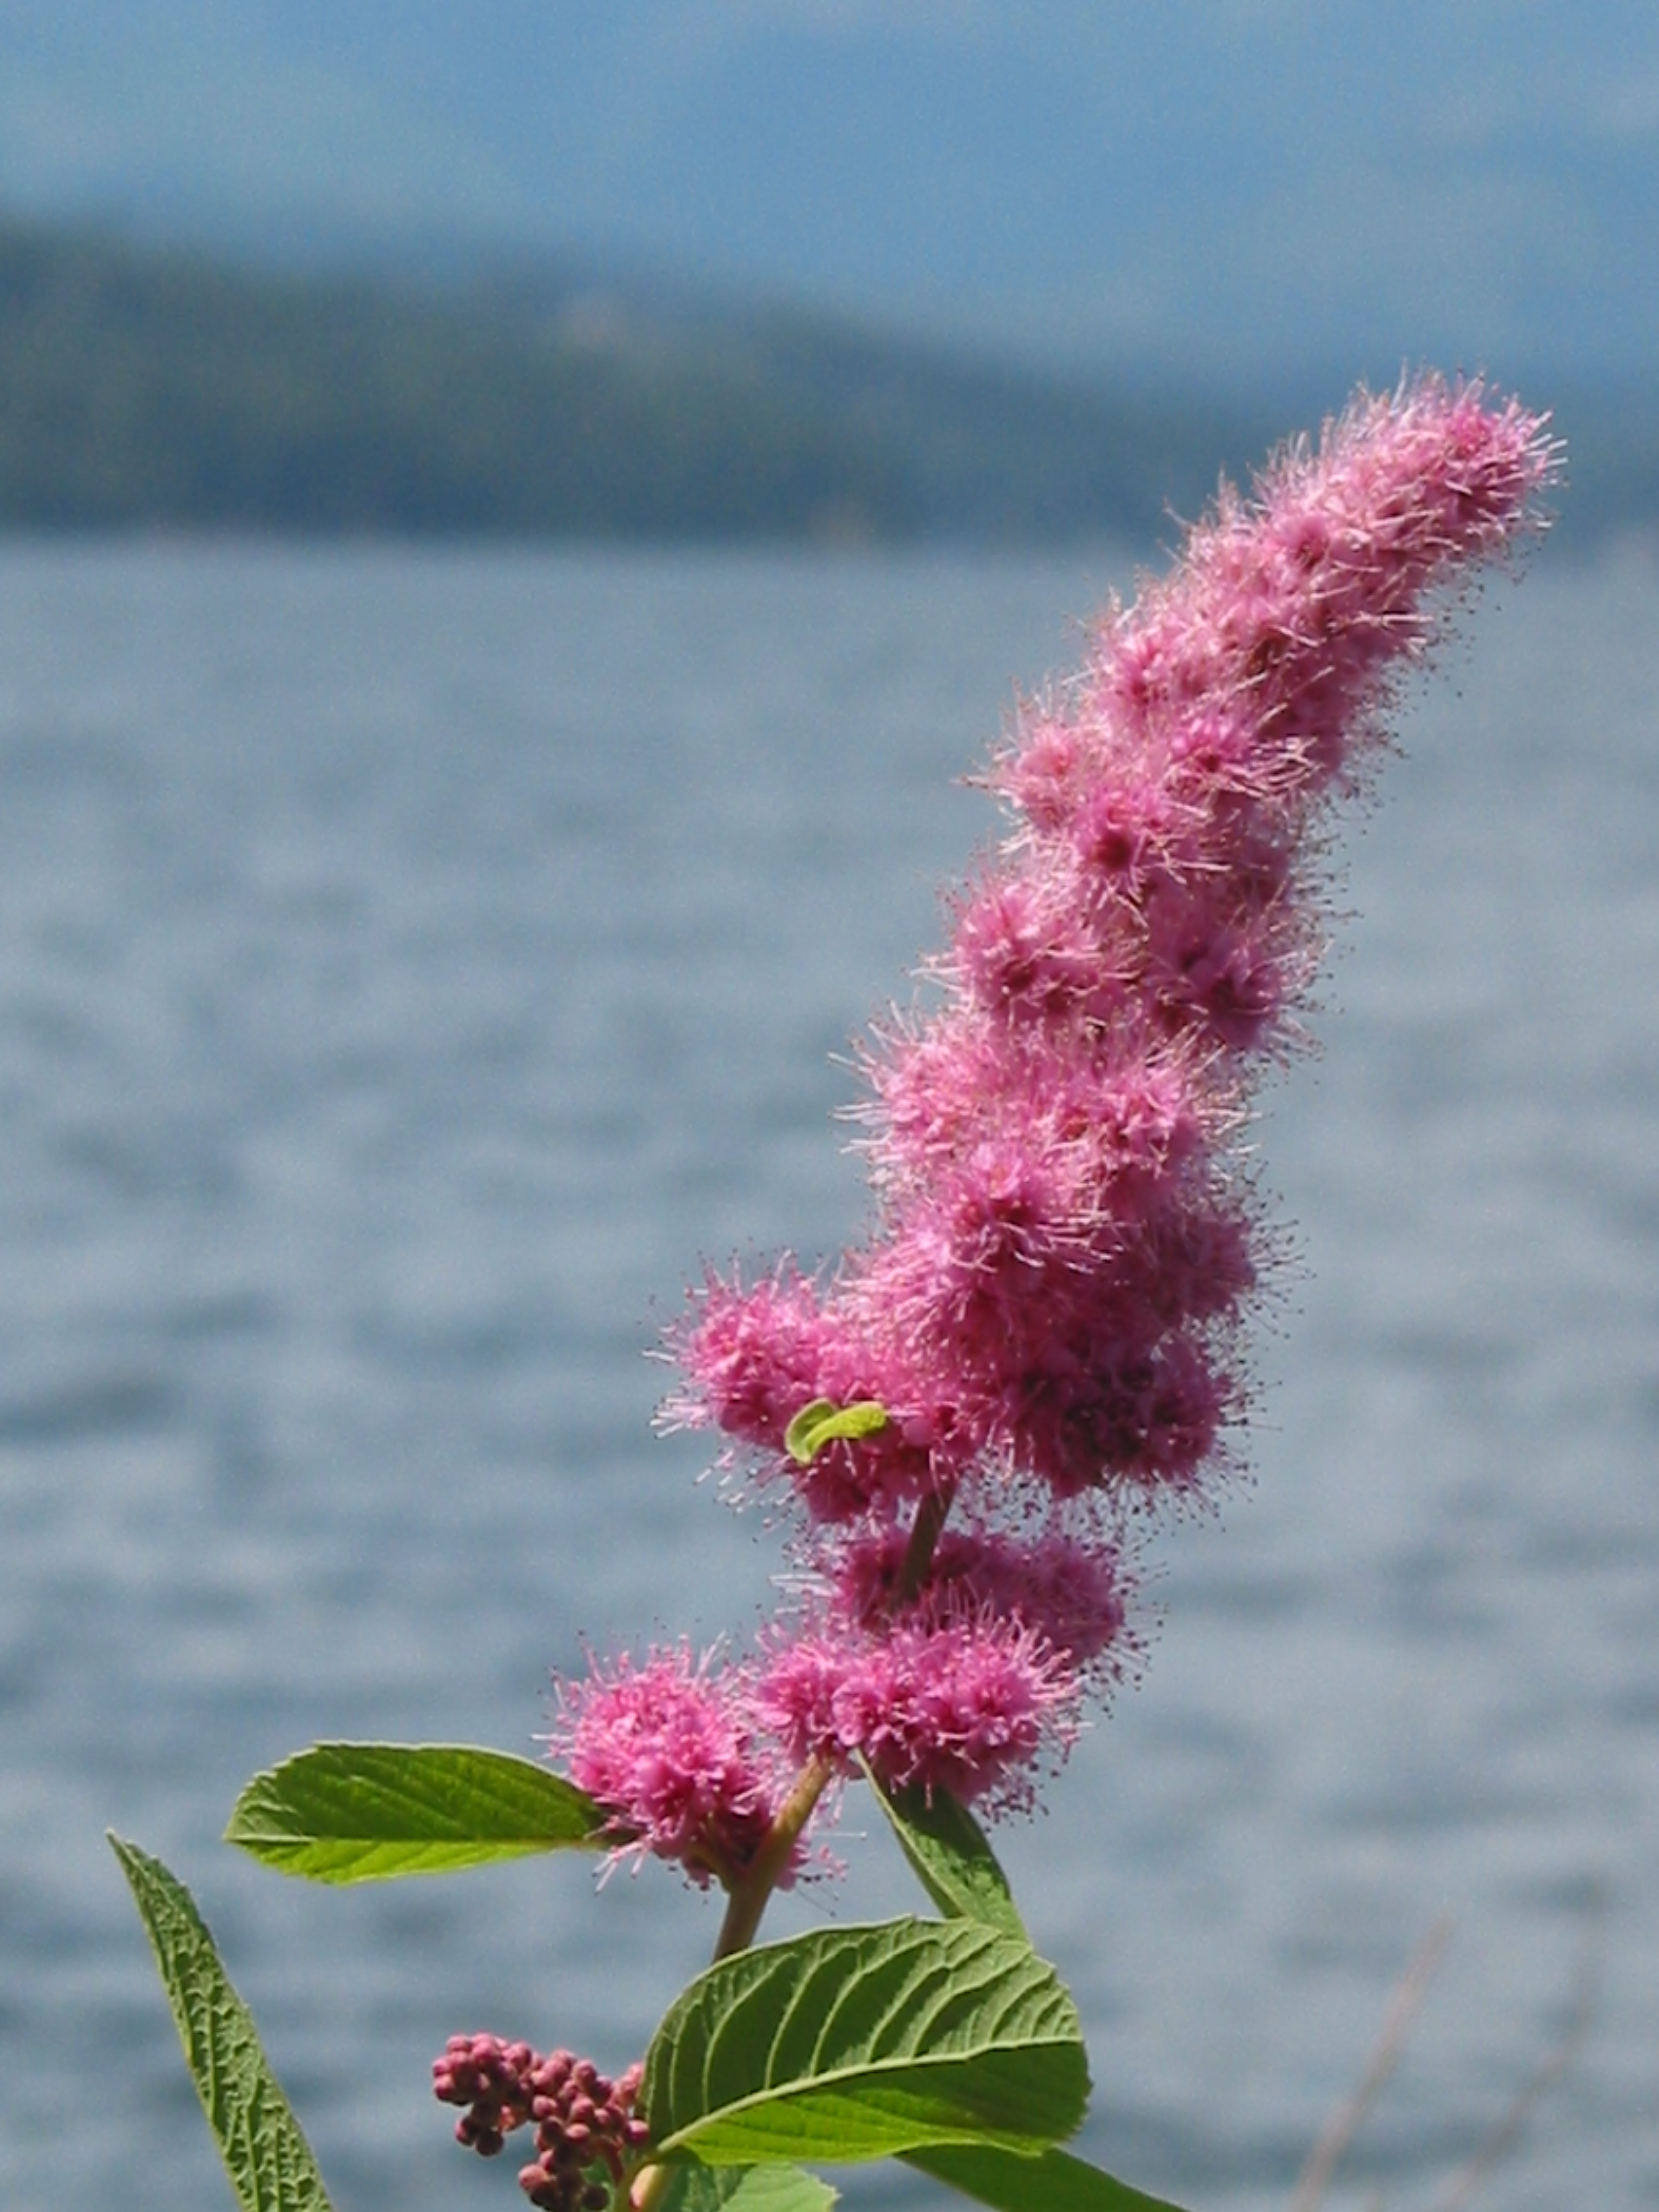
{"x":587,"y":2133}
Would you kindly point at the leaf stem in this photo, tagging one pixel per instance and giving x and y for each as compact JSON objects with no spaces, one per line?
{"x":924,"y":1536}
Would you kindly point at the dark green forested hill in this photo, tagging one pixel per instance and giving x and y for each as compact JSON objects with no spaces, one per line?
{"x":139,"y":386}
{"x":151,"y":387}
{"x":148,"y":387}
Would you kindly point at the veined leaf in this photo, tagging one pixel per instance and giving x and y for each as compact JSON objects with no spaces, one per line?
{"x":947,"y":1851}
{"x":1053,"y":2182}
{"x":268,"y":2159}
{"x":364,"y":1812}
{"x":821,"y":1422}
{"x":857,"y":2043}
{"x":747,"y":2189}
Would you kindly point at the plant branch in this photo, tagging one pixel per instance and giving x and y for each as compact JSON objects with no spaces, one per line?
{"x":1344,"y":2124}
{"x":748,"y":1898}
{"x":1548,"y":2071}
{"x":924,"y":1536}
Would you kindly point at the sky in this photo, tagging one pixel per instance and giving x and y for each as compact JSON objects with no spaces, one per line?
{"x":1224,"y":187}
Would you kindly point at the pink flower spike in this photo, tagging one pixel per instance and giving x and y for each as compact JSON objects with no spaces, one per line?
{"x":1067,"y":1236}
{"x":1285,"y":612}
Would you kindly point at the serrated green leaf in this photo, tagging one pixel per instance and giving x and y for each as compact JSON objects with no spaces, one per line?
{"x":1053,"y":2182}
{"x":367,"y":1812}
{"x":821,"y":1422}
{"x":856,"y":2042}
{"x":268,"y":2159}
{"x":747,"y":2189}
{"x":949,"y":1854}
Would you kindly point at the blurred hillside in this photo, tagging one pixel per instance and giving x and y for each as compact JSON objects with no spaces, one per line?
{"x":147,"y":388}
{"x":144,"y":387}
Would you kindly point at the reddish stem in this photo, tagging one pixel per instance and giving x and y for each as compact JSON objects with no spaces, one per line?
{"x":924,"y":1538}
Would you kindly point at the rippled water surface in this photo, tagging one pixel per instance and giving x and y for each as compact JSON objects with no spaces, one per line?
{"x":413,"y":966}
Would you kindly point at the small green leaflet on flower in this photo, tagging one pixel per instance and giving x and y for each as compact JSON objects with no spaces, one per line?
{"x":859,"y":2043}
{"x":268,"y":2159}
{"x":365,"y":1812}
{"x":821,"y":1422}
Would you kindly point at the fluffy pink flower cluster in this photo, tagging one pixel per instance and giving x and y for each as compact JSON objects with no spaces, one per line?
{"x":1047,"y":1310}
{"x":669,"y":1750}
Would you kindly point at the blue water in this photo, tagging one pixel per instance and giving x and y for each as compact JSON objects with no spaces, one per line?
{"x":411,"y":966}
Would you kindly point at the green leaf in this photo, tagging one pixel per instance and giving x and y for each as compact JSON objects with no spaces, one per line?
{"x":268,"y":2161}
{"x":1053,"y":2183}
{"x":747,"y":2189}
{"x":947,"y":1851}
{"x":857,"y":2043}
{"x":821,"y":1420}
{"x":364,"y":1812}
